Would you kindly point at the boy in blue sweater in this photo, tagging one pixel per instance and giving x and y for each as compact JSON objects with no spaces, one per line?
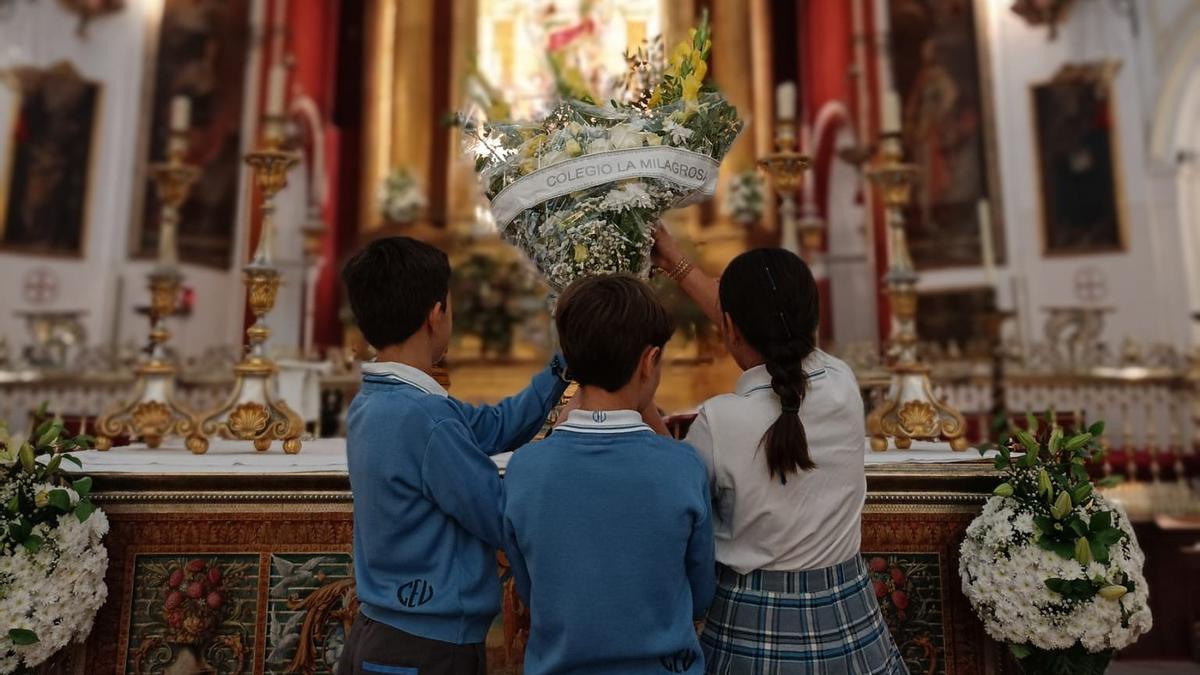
{"x":607,"y":524}
{"x":427,"y":497}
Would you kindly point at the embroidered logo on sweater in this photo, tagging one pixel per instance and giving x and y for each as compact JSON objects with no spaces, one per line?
{"x":415,"y":593}
{"x":679,"y":662}
{"x":599,"y":417}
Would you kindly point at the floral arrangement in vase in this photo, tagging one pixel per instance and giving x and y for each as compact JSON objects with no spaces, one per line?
{"x":52,"y":560}
{"x":579,"y":190}
{"x":492,"y":297}
{"x":400,"y":198}
{"x":1052,"y":568}
{"x":747,"y":197}
{"x":194,"y":601}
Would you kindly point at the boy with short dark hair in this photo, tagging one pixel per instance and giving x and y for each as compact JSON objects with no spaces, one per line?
{"x":427,"y":498}
{"x":607,"y":524}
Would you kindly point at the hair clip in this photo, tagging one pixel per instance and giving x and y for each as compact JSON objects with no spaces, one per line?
{"x":791,"y":409}
{"x":786,"y":326}
{"x":770,"y":278}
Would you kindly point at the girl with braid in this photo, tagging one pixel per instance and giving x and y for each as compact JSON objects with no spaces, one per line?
{"x":784,"y":455}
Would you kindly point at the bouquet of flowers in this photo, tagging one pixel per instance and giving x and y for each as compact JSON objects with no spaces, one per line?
{"x":52,"y":562}
{"x":746,"y":199}
{"x":400,"y":198}
{"x":1050,"y":566}
{"x":580,"y":190}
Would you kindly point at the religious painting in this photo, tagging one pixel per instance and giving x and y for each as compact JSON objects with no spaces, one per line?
{"x":1077,"y":160}
{"x":956,"y":317}
{"x":940,"y":71}
{"x":310,"y":606}
{"x":909,"y":589}
{"x":193,"y":613}
{"x":50,"y":133}
{"x":202,"y":52}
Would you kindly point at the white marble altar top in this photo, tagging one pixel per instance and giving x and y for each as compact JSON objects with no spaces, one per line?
{"x":328,"y":455}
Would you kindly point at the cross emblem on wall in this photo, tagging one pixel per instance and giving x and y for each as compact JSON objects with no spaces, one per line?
{"x":1090,"y":285}
{"x":40,"y":286}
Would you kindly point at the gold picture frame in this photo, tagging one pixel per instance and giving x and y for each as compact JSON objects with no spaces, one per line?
{"x":1077,"y":162}
{"x":63,"y":151}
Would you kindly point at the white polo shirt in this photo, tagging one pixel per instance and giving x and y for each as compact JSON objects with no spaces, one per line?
{"x":814,"y":520}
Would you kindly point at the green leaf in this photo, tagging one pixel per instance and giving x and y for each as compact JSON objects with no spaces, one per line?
{"x":42,"y":410}
{"x":1044,"y":523}
{"x":1101,"y":520}
{"x":1078,"y":472}
{"x":1110,"y":481}
{"x":1032,"y":421}
{"x":1097,"y":429}
{"x":73,"y":459}
{"x":1063,"y":549}
{"x":84,"y":509}
{"x":60,"y":500}
{"x":53,"y":464}
{"x":1099,"y":551}
{"x":14,"y":505}
{"x":22,"y":637}
{"x":32,"y":543}
{"x":1108,"y":536}
{"x":1078,"y":527}
{"x":83,"y":486}
{"x":1081,"y":492}
{"x":1000,"y":463}
{"x":51,"y":435}
{"x":1019,"y":651}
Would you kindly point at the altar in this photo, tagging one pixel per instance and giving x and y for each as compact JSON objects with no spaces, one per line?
{"x":266,"y":539}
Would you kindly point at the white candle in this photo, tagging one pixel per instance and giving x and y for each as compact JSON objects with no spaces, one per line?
{"x":986,"y":243}
{"x":806,"y":149}
{"x":891,"y":112}
{"x":276,"y":83}
{"x":785,"y":101}
{"x":181,"y":113}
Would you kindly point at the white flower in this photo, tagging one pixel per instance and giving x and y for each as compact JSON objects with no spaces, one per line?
{"x":599,"y":145}
{"x":678,"y":133}
{"x":624,"y":136}
{"x":631,"y":196}
{"x":1005,"y":583}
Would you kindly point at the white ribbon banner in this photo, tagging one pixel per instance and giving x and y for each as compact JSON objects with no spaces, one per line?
{"x":690,"y":170}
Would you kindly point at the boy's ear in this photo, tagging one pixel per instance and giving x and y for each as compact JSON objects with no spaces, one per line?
{"x":650,"y":360}
{"x":729,"y":329}
{"x":435,"y":314}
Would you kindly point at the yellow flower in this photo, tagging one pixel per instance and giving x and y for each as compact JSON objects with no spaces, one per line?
{"x":572,"y":148}
{"x":652,"y":138}
{"x":41,"y":499}
{"x":581,"y":253}
{"x":700,"y":68}
{"x":656,"y":97}
{"x":527,"y":167}
{"x":691,"y":88}
{"x":682,"y":52}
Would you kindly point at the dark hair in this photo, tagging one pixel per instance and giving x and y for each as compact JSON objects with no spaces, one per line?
{"x":605,"y":324}
{"x":393,"y":283}
{"x":772,"y":298}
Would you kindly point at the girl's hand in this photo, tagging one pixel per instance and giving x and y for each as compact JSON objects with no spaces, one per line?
{"x":666,"y":252}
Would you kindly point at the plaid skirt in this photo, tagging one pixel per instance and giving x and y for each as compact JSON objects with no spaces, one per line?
{"x":817,"y":621}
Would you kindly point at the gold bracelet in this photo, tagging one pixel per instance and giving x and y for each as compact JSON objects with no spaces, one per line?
{"x":682,"y":268}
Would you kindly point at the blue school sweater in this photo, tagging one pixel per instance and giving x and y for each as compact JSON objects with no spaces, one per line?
{"x":608,"y":530}
{"x":428,"y":499}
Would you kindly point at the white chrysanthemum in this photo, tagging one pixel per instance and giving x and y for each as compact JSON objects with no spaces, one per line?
{"x":55,"y":592}
{"x":679,"y":134}
{"x":1004,"y":572}
{"x":624,"y":136}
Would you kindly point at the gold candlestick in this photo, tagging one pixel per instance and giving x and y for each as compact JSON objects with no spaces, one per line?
{"x":153,"y":413}
{"x":910,"y":411}
{"x":786,"y":167}
{"x":252,"y":412}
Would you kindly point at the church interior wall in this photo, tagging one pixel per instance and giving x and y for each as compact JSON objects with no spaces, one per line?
{"x":106,"y":280}
{"x":1144,"y":283}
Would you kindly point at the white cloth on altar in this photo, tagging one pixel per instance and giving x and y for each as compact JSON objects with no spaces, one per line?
{"x":328,"y":455}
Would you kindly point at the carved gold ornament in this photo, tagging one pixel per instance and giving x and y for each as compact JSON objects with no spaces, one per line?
{"x":248,"y":420}
{"x":918,"y":419}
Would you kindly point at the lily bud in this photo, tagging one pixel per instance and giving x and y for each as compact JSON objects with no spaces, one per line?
{"x":1045,"y":487}
{"x":1113,"y":592}
{"x":1083,"y":551}
{"x":1003,"y":490}
{"x":26,"y":456}
{"x":1062,"y":506}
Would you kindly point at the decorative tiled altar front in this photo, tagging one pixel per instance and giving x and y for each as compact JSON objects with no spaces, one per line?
{"x":248,"y":570}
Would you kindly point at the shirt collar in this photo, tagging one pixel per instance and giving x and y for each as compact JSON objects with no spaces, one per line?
{"x":758,"y":379}
{"x":405,"y":373}
{"x":604,"y":422}
{"x":753,"y":380}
